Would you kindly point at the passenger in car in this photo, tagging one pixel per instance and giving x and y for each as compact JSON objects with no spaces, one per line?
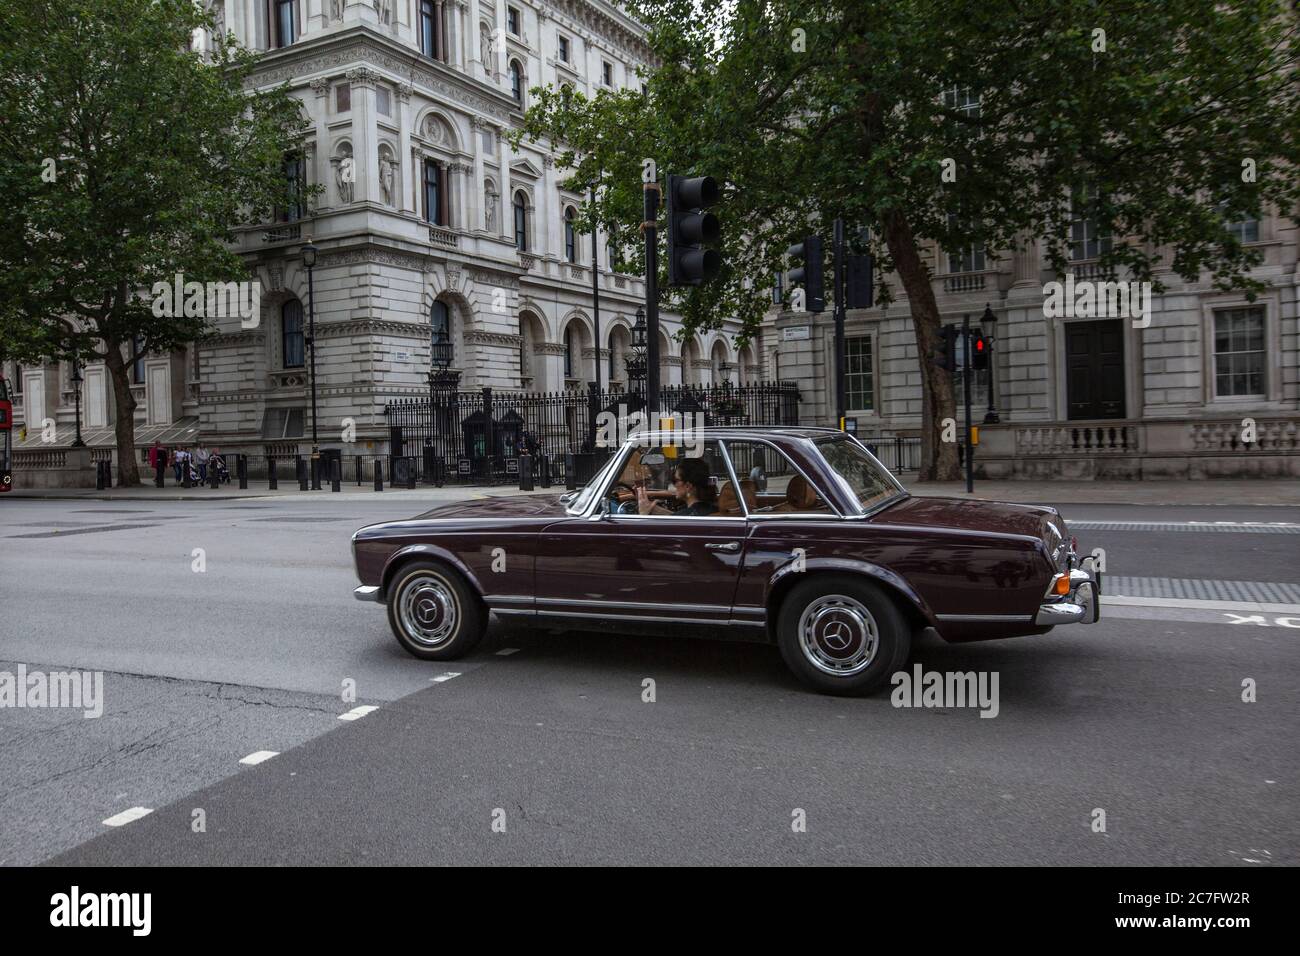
{"x":691,"y":484}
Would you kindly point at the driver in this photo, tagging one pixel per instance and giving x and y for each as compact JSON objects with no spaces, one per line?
{"x":691,"y":485}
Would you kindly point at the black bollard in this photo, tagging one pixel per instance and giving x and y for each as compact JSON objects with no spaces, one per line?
{"x":315,"y":473}
{"x":272,"y":479}
{"x":214,"y":480}
{"x":159,"y":467}
{"x":99,"y":476}
{"x":525,"y":472}
{"x":241,"y":465}
{"x":302,"y":473}
{"x":359,"y":476}
{"x":570,"y":472}
{"x":379,"y":474}
{"x":544,"y":462}
{"x":336,"y":474}
{"x":410,"y":474}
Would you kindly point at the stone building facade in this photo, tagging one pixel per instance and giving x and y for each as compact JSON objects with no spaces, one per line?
{"x":1082,"y":396}
{"x":427,"y":224}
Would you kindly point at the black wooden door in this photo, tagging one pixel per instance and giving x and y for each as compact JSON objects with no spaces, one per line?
{"x":1094,"y":369}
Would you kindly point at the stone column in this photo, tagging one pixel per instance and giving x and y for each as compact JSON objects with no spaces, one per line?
{"x":407,"y":174}
{"x":548,"y":208}
{"x":507,"y":193}
{"x":364,"y":143}
{"x":501,"y":44}
{"x":1024,"y":263}
{"x":320,"y":155}
{"x":460,"y":174}
{"x":477,"y":125}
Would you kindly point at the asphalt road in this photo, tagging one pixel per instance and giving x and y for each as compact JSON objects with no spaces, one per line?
{"x":542,"y":749}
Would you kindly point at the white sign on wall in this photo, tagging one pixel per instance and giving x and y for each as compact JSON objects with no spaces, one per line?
{"x":796,"y":333}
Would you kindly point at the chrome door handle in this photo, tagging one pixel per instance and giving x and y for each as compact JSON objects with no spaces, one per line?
{"x":729,"y":546}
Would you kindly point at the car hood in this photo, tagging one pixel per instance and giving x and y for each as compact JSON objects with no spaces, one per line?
{"x":962,"y":514}
{"x":506,"y":506}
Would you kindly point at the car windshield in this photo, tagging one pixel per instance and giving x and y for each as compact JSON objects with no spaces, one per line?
{"x":580,"y":500}
{"x":859,"y":473}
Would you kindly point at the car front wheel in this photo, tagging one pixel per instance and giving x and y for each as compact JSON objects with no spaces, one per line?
{"x":433,"y":613}
{"x":842,"y":635}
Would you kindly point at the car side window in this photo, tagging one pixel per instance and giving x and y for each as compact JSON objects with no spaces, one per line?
{"x":646,"y":484}
{"x":772,"y":481}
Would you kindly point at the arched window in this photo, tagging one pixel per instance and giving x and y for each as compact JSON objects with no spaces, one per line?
{"x":291,"y":339}
{"x":521,"y":221}
{"x":570,"y":235}
{"x":439,"y":324}
{"x":431,"y":39}
{"x":517,"y":82}
{"x":282,"y":16}
{"x":435,"y":192}
{"x":569,"y":348}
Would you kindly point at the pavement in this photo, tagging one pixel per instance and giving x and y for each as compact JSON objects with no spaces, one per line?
{"x":542,"y":747}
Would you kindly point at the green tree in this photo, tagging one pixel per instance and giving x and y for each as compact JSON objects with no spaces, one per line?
{"x":1170,"y":118}
{"x":125,"y":158}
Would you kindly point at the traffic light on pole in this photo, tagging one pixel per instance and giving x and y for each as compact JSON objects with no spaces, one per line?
{"x":859,"y":294}
{"x":691,"y":230}
{"x":979,"y":351}
{"x":944,"y":353}
{"x":809,"y":275}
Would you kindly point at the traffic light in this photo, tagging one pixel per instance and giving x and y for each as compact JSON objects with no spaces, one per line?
{"x":859,"y":294}
{"x":944,"y":353}
{"x":979,"y":351}
{"x":691,"y":230}
{"x":810,"y":273}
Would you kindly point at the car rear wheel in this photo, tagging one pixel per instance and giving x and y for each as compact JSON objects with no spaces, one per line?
{"x":433,"y":612}
{"x":842,"y":635}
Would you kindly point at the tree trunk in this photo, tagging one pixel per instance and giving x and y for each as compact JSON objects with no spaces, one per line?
{"x":127,"y":470}
{"x":938,"y":457}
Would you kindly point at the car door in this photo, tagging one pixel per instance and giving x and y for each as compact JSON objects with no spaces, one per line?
{"x":643,"y":567}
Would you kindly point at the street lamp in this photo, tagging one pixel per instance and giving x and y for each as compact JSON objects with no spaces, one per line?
{"x":76,"y":385}
{"x":309,"y":260}
{"x":636,"y":356}
{"x":990,"y":322}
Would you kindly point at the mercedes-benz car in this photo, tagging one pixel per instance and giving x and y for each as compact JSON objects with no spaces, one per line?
{"x":811,"y":545}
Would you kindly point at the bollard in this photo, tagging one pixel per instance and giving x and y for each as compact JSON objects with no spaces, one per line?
{"x":99,"y":476}
{"x":302,"y":473}
{"x":214,"y":480}
{"x":379,"y":474}
{"x":410,"y":475}
{"x":336,"y":474}
{"x":545,"y":464}
{"x":241,"y":465}
{"x":315,"y":473}
{"x":359,"y":476}
{"x":160,"y":466}
{"x":525,"y":472}
{"x":272,"y":479}
{"x":570,"y":473}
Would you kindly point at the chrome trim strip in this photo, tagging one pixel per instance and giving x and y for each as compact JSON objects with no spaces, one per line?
{"x":367,"y":592}
{"x":634,"y":605}
{"x":494,"y":599}
{"x":985,"y":618}
{"x":636,"y":617}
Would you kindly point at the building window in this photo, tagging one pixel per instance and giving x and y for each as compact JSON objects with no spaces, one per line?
{"x":613,"y":365}
{"x":859,"y":380}
{"x":570,"y":235}
{"x":435,"y":192}
{"x":383,"y":101}
{"x":521,"y":222}
{"x":512,"y":20}
{"x":778,"y":288}
{"x":137,"y":367}
{"x":607,"y":73}
{"x":291,"y":338}
{"x":569,"y":363}
{"x":517,"y":81}
{"x":428,"y":30}
{"x":282,"y":13}
{"x":564,"y":49}
{"x":342,"y":97}
{"x":295,"y":174}
{"x":18,"y":379}
{"x":964,"y":101}
{"x":439,"y":324}
{"x":1247,"y":230}
{"x":1089,"y":239}
{"x":524,"y":370}
{"x":1239,"y":353}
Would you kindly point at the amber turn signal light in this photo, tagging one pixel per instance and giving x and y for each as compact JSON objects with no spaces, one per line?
{"x":1061,"y":585}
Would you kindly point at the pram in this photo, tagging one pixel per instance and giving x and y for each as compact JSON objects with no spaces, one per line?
{"x":217,"y":464}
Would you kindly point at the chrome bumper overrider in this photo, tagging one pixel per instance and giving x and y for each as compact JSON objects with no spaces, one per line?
{"x":367,"y":592}
{"x":1083,"y":604}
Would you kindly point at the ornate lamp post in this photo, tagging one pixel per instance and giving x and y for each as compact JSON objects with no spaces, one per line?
{"x":636,"y":356}
{"x":309,"y":260}
{"x":76,"y":385}
{"x":990,"y":322}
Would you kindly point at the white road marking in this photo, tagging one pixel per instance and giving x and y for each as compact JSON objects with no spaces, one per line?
{"x":259,"y":756}
{"x":127,"y":816}
{"x":357,"y":712}
{"x":1121,"y":600}
{"x":507,"y":651}
{"x":444,"y":677}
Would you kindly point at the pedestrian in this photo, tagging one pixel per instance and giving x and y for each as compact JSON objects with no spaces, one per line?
{"x":201,"y":456}
{"x":154,"y":453}
{"x":181,"y":462}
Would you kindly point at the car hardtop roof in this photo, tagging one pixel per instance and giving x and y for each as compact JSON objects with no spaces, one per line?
{"x":742,"y":431}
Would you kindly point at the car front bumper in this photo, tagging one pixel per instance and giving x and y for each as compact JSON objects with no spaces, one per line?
{"x":367,"y":592}
{"x":1082,"y":605}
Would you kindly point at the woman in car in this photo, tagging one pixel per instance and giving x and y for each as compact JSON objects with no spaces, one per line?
{"x":691,"y":485}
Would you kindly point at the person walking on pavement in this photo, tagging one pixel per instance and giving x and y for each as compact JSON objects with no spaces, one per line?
{"x":201,"y":456}
{"x":181,"y":460}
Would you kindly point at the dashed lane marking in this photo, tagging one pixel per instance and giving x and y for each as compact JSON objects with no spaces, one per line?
{"x":358,"y":712}
{"x":127,"y":816}
{"x":444,"y":677}
{"x":259,"y":756}
{"x":507,"y":651}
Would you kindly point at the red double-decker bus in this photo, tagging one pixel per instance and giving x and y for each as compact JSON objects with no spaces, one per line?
{"x":6,"y":437}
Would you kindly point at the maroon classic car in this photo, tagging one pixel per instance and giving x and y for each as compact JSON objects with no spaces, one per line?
{"x":792,"y":536}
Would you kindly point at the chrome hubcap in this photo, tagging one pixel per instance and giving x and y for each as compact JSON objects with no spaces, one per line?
{"x":838,"y":635}
{"x":427,"y":610}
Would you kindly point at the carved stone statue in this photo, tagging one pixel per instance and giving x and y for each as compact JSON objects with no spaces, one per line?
{"x":384,"y":10}
{"x":387,"y":179}
{"x":218,"y":10}
{"x":336,"y":9}
{"x":490,"y":212}
{"x":487,"y":49}
{"x":344,"y":177}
